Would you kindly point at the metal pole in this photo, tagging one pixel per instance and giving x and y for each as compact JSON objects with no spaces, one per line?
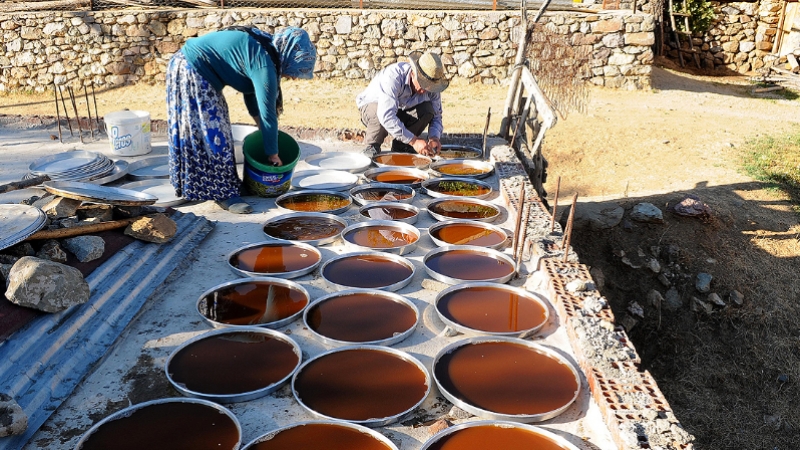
{"x":89,"y":111}
{"x":485,"y":132}
{"x":66,"y":113}
{"x":519,"y":218}
{"x":58,"y":114}
{"x":568,"y":236}
{"x":75,"y":108}
{"x":555,"y":205}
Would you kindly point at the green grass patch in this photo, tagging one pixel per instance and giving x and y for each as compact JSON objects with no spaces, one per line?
{"x":775,"y":160}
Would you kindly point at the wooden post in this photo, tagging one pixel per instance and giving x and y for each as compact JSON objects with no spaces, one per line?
{"x":776,"y":46}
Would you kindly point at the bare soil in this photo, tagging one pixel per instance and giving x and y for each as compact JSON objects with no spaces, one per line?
{"x":731,"y":373}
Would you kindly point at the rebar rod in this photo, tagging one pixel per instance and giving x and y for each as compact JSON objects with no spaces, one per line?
{"x":58,"y":113}
{"x":519,"y":218}
{"x":568,"y":234}
{"x":555,"y":205}
{"x":484,"y":155}
{"x":66,"y":113}
{"x":96,"y":117}
{"x":89,"y":111}
{"x":75,"y":108}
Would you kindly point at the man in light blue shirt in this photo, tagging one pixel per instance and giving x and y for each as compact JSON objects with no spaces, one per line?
{"x":402,"y":101}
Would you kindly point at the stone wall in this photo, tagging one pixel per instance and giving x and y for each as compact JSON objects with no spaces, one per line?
{"x":123,"y":47}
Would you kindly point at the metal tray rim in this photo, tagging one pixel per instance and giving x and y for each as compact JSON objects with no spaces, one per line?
{"x":477,"y":223}
{"x":153,"y":182}
{"x":559,"y":440}
{"x":125,"y":197}
{"x":425,"y":187}
{"x":285,"y":275}
{"x":364,"y":163}
{"x":420,"y":167}
{"x":149,"y":161}
{"x":120,"y":170}
{"x":406,"y":206}
{"x":375,"y":185}
{"x":477,"y":201}
{"x":452,"y":280}
{"x":315,"y":242}
{"x":342,"y":186}
{"x":411,"y":171}
{"x":315,"y":192}
{"x":470,"y":162}
{"x":361,"y":428}
{"x":476,"y":151}
{"x":35,"y":166}
{"x":403,"y":249}
{"x":390,"y":288}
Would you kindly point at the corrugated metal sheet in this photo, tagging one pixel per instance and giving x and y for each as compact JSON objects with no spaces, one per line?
{"x":41,"y":364}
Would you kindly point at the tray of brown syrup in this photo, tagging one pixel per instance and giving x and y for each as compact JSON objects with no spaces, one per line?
{"x":491,"y":309}
{"x":233,"y":365}
{"x":361,"y":316}
{"x":455,"y":264}
{"x":166,"y":423}
{"x":368,"y":270}
{"x":263,"y":302}
{"x":398,"y":159}
{"x":467,"y":232}
{"x":504,"y":378}
{"x":449,"y":208}
{"x":331,"y":202}
{"x":382,"y":235}
{"x":462,"y":168}
{"x":309,"y":227}
{"x":382,"y":192}
{"x":456,"y":187}
{"x":454,"y":151}
{"x":400,"y":212}
{"x":282,"y":259}
{"x":322,"y":434}
{"x":366,"y":384}
{"x":483,"y":434}
{"x":396,"y":175}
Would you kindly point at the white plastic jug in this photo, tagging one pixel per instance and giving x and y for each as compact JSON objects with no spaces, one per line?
{"x":129,"y":132}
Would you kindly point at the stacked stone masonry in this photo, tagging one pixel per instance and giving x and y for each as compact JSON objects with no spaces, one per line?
{"x":127,"y":47}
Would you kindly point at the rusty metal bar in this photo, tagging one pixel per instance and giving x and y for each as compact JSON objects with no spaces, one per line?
{"x":89,"y":111}
{"x":568,"y":234}
{"x":66,"y":113}
{"x":519,"y":219}
{"x":555,"y":205}
{"x":58,"y":113}
{"x":96,"y":117}
{"x":75,"y":108}
{"x":485,"y":133}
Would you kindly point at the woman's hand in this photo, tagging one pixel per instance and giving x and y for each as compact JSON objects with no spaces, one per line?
{"x":275,"y":160}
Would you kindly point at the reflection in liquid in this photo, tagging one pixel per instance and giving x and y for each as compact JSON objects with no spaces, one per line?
{"x":271,"y":258}
{"x":366,"y":271}
{"x":483,"y":437}
{"x":492,"y":309}
{"x":327,"y":436}
{"x":469,"y":265}
{"x":380,"y":236}
{"x":252,"y":303}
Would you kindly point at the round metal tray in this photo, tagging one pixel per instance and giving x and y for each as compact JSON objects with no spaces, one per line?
{"x":158,"y":428}
{"x":292,"y":195}
{"x":89,"y":192}
{"x":160,"y":188}
{"x":119,"y":171}
{"x":473,"y":331}
{"x":420,"y":175}
{"x":486,"y":168}
{"x":362,"y":430}
{"x":291,"y":274}
{"x":347,"y":161}
{"x":65,"y":163}
{"x":335,"y":180}
{"x":485,"y":414}
{"x":149,"y":168}
{"x":204,"y":297}
{"x":485,"y":251}
{"x":309,"y":215}
{"x":380,"y":255}
{"x":232,"y":333}
{"x":454,"y":151}
{"x":472,"y":201}
{"x":557,"y":441}
{"x":376,"y":421}
{"x":355,"y":193}
{"x":18,"y":222}
{"x":399,"y":226}
{"x":404,"y":206}
{"x":472,"y":223}
{"x":421,"y":162}
{"x":390,"y":340}
{"x":428,"y":187}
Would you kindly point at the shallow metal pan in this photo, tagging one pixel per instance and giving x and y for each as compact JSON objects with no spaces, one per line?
{"x":558,"y":441}
{"x":486,"y":168}
{"x":204,"y":297}
{"x":494,"y":254}
{"x":356,"y":192}
{"x":89,"y":192}
{"x":390,"y":340}
{"x":358,"y":428}
{"x":454,"y":151}
{"x":404,"y":206}
{"x":324,"y":179}
{"x":314,"y":242}
{"x":64,"y":162}
{"x":347,"y":161}
{"x":17,"y":222}
{"x":292,"y":195}
{"x":428,"y":187}
{"x":485,"y":414}
{"x":120,"y":170}
{"x":399,"y":226}
{"x":472,"y":201}
{"x":405,"y":171}
{"x":421,"y":162}
{"x":160,"y":188}
{"x":381,"y":255}
{"x":149,"y":168}
{"x":290,"y":274}
{"x":473,"y":223}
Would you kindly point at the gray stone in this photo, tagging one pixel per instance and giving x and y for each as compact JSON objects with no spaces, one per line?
{"x":51,"y":250}
{"x":691,"y":206}
{"x":654,"y":298}
{"x":703,"y":282}
{"x":5,"y":269}
{"x":597,"y":216}
{"x":103,"y":213}
{"x":673,"y":300}
{"x":20,"y":250}
{"x":698,"y":305}
{"x":46,"y":285}
{"x":13,"y":420}
{"x":86,"y":248}
{"x":636,"y":309}
{"x":598,"y":276}
{"x":654,"y":265}
{"x":647,"y":212}
{"x":664,"y":280}
{"x":157,"y":228}
{"x":58,"y":207}
{"x":715,"y":299}
{"x":737,"y":298}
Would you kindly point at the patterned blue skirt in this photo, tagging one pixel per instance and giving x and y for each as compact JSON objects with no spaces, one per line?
{"x":201,"y":155}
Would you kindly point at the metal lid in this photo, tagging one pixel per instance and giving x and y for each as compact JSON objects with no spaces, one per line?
{"x":149,"y":168}
{"x":335,"y":180}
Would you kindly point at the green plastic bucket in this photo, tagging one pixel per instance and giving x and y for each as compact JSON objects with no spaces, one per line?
{"x":260,"y":177}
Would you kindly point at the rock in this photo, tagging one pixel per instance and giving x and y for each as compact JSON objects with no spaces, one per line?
{"x":654,"y":265}
{"x":598,"y":276}
{"x":627,"y":225}
{"x":579,"y":286}
{"x":703,"y":282}
{"x":51,"y":250}
{"x":458,"y":414}
{"x":636,"y":309}
{"x":628,"y":322}
{"x":10,"y":259}
{"x":86,"y":248}
{"x":102,"y":213}
{"x":126,"y":212}
{"x":647,"y":212}
{"x":691,"y":206}
{"x":597,"y":216}
{"x":736,"y":297}
{"x":783,"y":378}
{"x":594,"y":304}
{"x":13,"y":420}
{"x":663,"y":280}
{"x":58,"y":207}
{"x":673,"y":300}
{"x":439,"y":425}
{"x":673,"y":253}
{"x":157,"y":228}
{"x":698,"y":305}
{"x":20,"y":250}
{"x":715,"y":299}
{"x":5,"y":270}
{"x":46,"y":285}
{"x":654,"y":298}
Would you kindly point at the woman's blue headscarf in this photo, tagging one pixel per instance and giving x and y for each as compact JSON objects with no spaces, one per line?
{"x":298,"y":54}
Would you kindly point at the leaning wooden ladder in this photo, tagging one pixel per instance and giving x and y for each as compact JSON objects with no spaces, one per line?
{"x":684,"y":14}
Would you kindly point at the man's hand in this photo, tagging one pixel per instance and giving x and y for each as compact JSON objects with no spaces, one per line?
{"x":435,"y":146}
{"x":275,"y":160}
{"x":420,"y":146}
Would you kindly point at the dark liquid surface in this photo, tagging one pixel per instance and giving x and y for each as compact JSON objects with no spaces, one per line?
{"x":321,"y":436}
{"x":314,"y":202}
{"x":360,"y":385}
{"x":274,"y":259}
{"x":360,"y":317}
{"x":492,"y":309}
{"x":458,"y":188}
{"x":401,"y":160}
{"x":493,"y":436}
{"x":378,"y":194}
{"x":387,"y":213}
{"x":366,"y":271}
{"x":174,"y":425}
{"x":252,"y":303}
{"x":232,"y":363}
{"x":468,"y":234}
{"x":460,"y":169}
{"x":506,"y":378}
{"x":458,"y":209}
{"x":397,"y":177}
{"x":459,"y":153}
{"x":469,"y":265}
{"x":303,"y":228}
{"x":379,"y":236}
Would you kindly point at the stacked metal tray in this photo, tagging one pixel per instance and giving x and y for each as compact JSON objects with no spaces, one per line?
{"x":76,"y":165}
{"x":17,"y":222}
